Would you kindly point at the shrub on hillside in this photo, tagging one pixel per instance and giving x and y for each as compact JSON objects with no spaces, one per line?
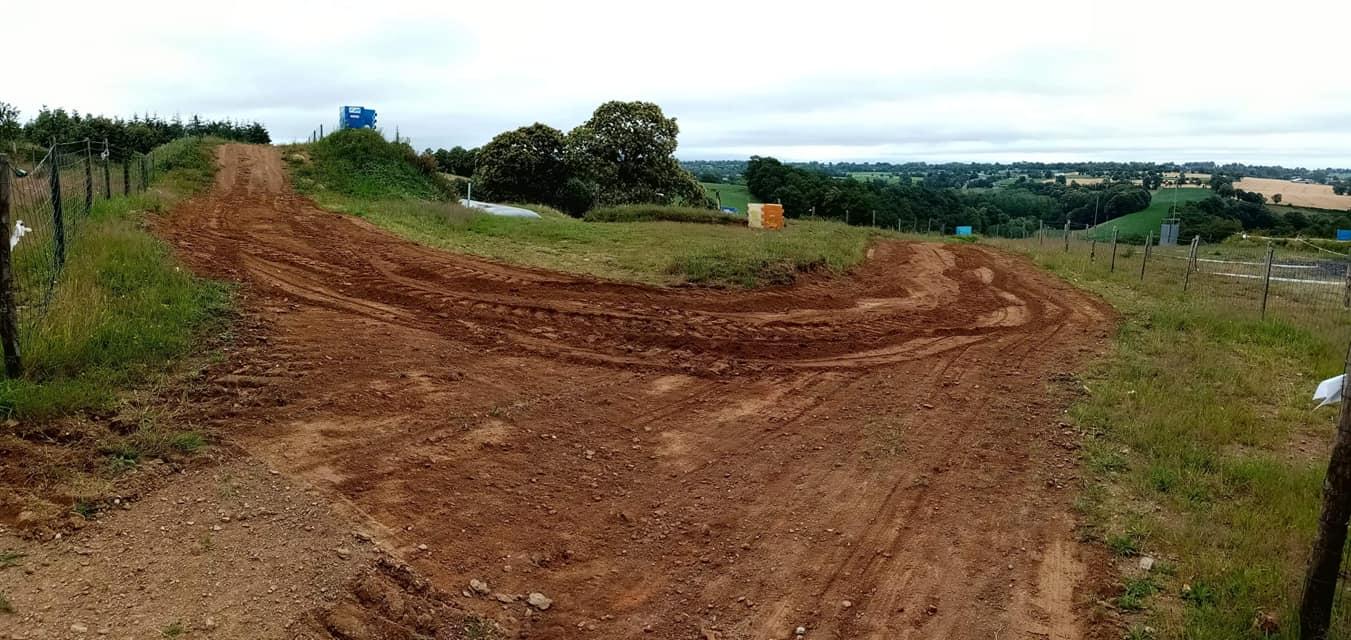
{"x":360,"y":162}
{"x":651,"y":213}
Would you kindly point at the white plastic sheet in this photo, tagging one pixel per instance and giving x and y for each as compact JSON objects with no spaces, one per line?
{"x":1329,"y":391}
{"x":19,"y":231}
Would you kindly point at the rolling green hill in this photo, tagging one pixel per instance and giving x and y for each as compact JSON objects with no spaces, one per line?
{"x":1141,"y":223}
{"x":733,"y":195}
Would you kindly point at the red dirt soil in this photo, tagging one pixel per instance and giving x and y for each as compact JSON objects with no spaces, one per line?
{"x":870,"y":456}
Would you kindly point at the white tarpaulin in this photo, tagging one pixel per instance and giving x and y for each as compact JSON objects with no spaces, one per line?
{"x":1329,"y":391}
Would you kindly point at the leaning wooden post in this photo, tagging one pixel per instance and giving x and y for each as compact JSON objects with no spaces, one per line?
{"x":107,"y":178}
{"x":1191,"y":263}
{"x":88,"y":175}
{"x":1115,"y":231}
{"x":1266,"y":280}
{"x":9,"y":324}
{"x":1149,"y":240}
{"x":1092,"y":249}
{"x":1320,"y":579}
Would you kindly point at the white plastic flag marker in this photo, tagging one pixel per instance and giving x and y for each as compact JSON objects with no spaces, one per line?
{"x":1329,"y":391}
{"x":19,"y":231}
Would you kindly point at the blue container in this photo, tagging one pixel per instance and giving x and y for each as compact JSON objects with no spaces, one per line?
{"x":1344,"y":235}
{"x":356,"y":118}
{"x":963,"y":231}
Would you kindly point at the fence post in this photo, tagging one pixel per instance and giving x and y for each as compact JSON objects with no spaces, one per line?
{"x":1149,"y":240}
{"x":145,"y":180}
{"x":1346,"y":291}
{"x":1041,"y":233}
{"x":1320,"y":579}
{"x":9,"y":325}
{"x":126,"y":176}
{"x":1067,"y":236}
{"x":1114,"y":234}
{"x":58,"y":216}
{"x":88,"y":175}
{"x":1092,"y":249}
{"x":1191,"y":263}
{"x":107,"y":179}
{"x":1266,"y":280}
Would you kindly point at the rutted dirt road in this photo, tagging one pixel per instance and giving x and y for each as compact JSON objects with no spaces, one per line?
{"x":874,"y":456}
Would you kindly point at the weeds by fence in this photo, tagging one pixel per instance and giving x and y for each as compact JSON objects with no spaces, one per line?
{"x":48,"y":201}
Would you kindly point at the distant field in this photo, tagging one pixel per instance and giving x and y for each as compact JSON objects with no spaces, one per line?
{"x":1142,"y":222}
{"x":880,"y":175}
{"x":733,"y":195}
{"x":1318,"y":196}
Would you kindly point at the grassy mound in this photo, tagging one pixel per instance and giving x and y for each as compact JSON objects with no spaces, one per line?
{"x":654,"y":213}
{"x":361,"y":163}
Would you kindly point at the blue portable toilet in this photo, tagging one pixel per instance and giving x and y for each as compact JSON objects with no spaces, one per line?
{"x":356,"y":118}
{"x":1344,"y":235}
{"x":963,"y":231}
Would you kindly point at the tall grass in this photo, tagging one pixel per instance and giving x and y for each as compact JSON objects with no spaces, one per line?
{"x":121,"y":307}
{"x":1202,"y":450}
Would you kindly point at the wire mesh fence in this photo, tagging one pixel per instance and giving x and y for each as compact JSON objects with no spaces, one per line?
{"x":1303,"y":285}
{"x":49,"y":199}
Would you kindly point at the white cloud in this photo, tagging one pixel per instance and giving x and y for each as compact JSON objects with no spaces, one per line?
{"x":1045,"y":79}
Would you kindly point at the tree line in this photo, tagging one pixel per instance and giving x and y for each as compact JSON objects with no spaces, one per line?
{"x":623,"y":154}
{"x":1010,"y":210}
{"x":137,"y":134}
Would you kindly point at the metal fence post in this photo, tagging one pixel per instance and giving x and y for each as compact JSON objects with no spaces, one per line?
{"x":1266,"y":280}
{"x":9,"y":325}
{"x":1320,"y":579}
{"x":107,"y":179}
{"x":58,"y":216}
{"x":1115,"y":231}
{"x":1144,"y":261}
{"x":88,"y":175}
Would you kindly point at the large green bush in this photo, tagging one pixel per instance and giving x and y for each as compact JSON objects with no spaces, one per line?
{"x":360,"y":162}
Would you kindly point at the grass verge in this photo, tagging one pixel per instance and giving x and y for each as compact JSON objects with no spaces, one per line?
{"x":652,"y":252}
{"x":120,"y":313}
{"x":1202,"y":452}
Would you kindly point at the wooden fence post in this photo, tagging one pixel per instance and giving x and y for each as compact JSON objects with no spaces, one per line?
{"x":107,"y":179}
{"x":88,"y":175}
{"x":1266,"y":280}
{"x":126,"y":176}
{"x":1346,"y":290}
{"x":1067,"y":236}
{"x":145,"y":179}
{"x":1320,"y":579}
{"x":1115,"y":231}
{"x":1092,"y":249}
{"x":9,"y":325}
{"x":58,"y":216}
{"x":1191,"y":263}
{"x":1149,"y":240}
{"x":1041,"y":233}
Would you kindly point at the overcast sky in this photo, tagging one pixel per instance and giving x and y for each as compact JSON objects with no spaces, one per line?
{"x":932,"y":80}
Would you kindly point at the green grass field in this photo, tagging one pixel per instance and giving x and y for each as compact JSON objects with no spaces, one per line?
{"x":649,"y":252}
{"x":1200,"y":448}
{"x":1140,"y":223}
{"x":733,"y":195}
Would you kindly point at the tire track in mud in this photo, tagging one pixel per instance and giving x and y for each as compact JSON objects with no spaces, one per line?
{"x":667,"y":462}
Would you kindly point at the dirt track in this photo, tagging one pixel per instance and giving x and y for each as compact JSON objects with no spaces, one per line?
{"x":697,"y":463}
